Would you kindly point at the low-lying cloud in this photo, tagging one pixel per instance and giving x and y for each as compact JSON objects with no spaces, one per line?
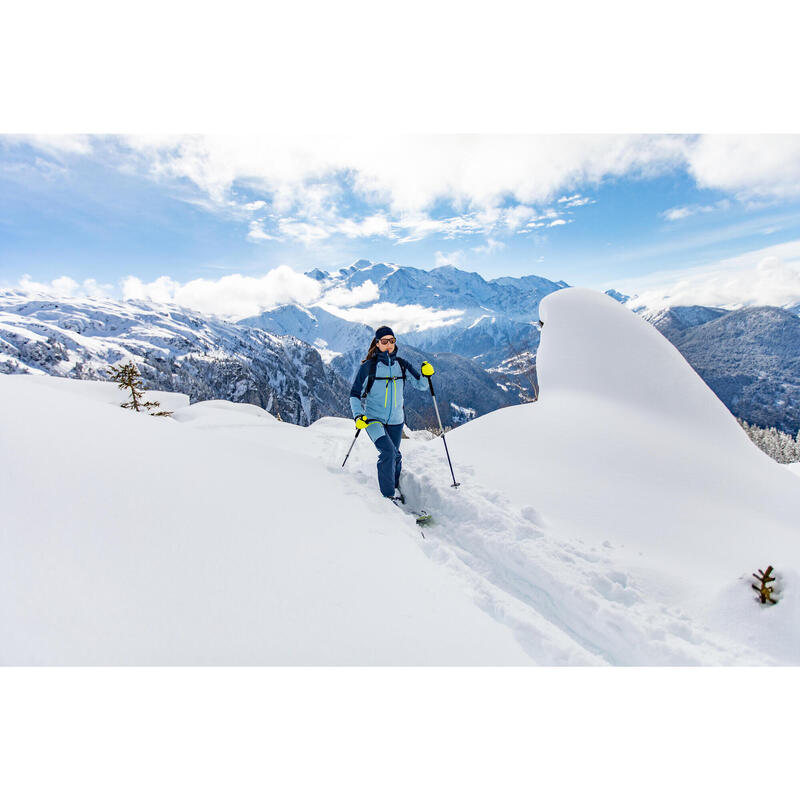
{"x":232,"y":296}
{"x":401,"y":319}
{"x":238,"y":296}
{"x":769,"y":277}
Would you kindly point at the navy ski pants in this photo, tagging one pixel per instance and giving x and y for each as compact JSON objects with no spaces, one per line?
{"x":389,"y":459}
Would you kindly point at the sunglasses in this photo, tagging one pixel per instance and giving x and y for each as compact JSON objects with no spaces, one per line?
{"x":387,"y":340}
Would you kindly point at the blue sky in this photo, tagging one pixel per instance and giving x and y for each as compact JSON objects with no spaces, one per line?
{"x":597,"y":211}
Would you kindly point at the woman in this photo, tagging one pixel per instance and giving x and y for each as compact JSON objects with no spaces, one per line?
{"x":376,"y":401}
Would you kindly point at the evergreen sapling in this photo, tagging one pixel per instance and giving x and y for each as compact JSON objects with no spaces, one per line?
{"x":128,"y":378}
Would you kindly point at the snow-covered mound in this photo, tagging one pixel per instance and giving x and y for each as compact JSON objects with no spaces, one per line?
{"x":630,"y":454}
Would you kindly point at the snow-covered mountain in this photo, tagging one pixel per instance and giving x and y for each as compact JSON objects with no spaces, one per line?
{"x":330,"y":335}
{"x":175,"y":350}
{"x":615,"y":521}
{"x":676,"y":319}
{"x":494,"y":319}
{"x":207,"y":358}
{"x":442,"y":288}
{"x":492,"y":323}
{"x":487,"y":336}
{"x":749,"y":357}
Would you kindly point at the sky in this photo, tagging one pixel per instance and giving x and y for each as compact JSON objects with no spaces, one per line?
{"x":703,"y":218}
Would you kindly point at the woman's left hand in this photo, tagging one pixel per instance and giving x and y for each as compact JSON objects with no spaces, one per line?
{"x":427,"y":369}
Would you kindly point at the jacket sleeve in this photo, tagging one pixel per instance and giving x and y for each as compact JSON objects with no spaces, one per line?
{"x":356,"y":403}
{"x":415,"y":379}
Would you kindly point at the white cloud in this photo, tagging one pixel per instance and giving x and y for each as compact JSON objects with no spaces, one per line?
{"x":448,"y":259}
{"x":306,"y":232}
{"x":748,"y":166}
{"x":491,"y":246}
{"x":681,"y":212}
{"x":161,"y":290}
{"x":257,"y":232}
{"x":401,"y":319}
{"x":411,"y":173}
{"x":375,"y":225}
{"x":304,"y":176}
{"x":66,"y":287}
{"x":557,"y":222}
{"x":490,"y":181}
{"x":516,"y":216}
{"x":94,"y":289}
{"x":232,"y":296}
{"x":56,"y":145}
{"x":770,"y":276}
{"x":342,"y":297}
{"x":575,"y":201}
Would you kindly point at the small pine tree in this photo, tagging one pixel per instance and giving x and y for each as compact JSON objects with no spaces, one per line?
{"x":128,"y":378}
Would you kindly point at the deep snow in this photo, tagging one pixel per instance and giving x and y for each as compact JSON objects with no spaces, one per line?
{"x":616,"y":521}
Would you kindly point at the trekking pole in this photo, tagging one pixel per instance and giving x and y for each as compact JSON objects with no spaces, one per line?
{"x":455,"y":484}
{"x":358,"y":430}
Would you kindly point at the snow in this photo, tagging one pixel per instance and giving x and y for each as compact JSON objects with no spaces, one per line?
{"x":615,"y":521}
{"x":217,"y":537}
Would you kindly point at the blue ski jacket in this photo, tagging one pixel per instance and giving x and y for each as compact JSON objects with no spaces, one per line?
{"x":384,"y":402}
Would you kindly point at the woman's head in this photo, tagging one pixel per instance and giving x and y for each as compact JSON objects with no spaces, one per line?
{"x":384,"y":341}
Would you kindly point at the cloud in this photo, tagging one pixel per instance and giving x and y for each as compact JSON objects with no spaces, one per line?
{"x":748,"y":166}
{"x":236,"y":297}
{"x":400,"y":179}
{"x":57,"y":145}
{"x":406,"y":188}
{"x":770,"y":276}
{"x":257,"y":232}
{"x":681,"y":212}
{"x":232,"y":296}
{"x":341,"y":297}
{"x":402,"y":319}
{"x":574,"y":201}
{"x":449,"y":259}
{"x":491,"y":246}
{"x":374,"y":225}
{"x":306,"y":232}
{"x":513,"y":218}
{"x":413,"y":173}
{"x":66,"y":287}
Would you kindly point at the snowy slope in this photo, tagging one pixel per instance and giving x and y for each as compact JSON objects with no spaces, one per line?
{"x":175,"y":350}
{"x":616,"y":521}
{"x":216,"y":537}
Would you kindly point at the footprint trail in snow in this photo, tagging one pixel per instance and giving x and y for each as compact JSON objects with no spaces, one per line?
{"x":566,"y":602}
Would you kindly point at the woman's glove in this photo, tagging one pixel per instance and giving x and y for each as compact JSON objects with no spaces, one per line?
{"x":427,"y":369}
{"x":361,"y":422}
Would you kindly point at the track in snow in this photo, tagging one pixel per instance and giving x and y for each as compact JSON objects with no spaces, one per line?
{"x":566,"y":602}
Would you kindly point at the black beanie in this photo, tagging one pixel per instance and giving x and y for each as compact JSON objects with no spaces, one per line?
{"x":384,"y":330}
